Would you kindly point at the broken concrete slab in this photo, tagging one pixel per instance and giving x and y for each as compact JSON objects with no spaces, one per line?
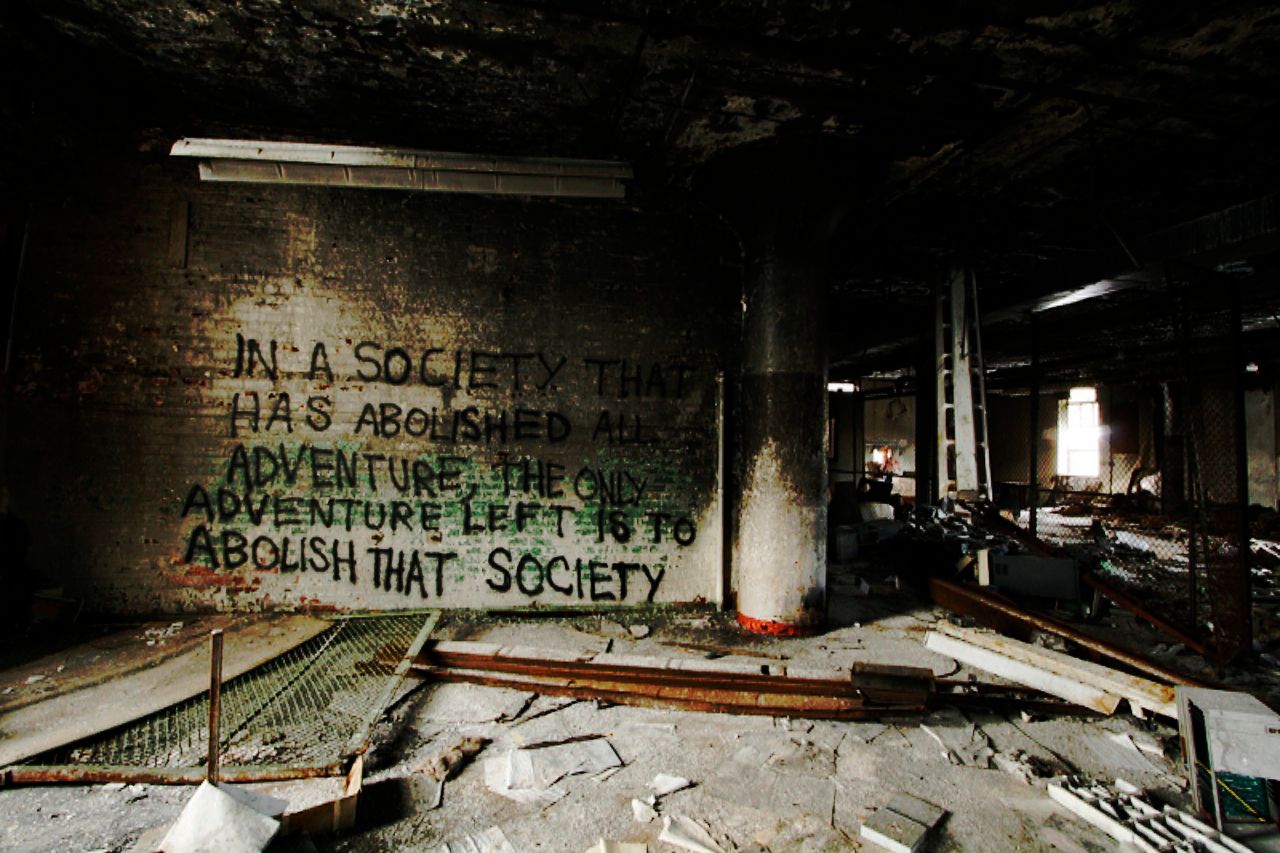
{"x":962,"y":741}
{"x":894,"y":832}
{"x":903,"y":824}
{"x":744,"y":780}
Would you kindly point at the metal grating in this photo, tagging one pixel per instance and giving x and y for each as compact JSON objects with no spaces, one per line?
{"x":311,"y":706}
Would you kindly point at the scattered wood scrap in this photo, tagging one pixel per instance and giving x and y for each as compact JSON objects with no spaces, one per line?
{"x":1089,"y":684}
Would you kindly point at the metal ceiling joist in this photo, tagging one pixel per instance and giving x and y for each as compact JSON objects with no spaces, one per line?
{"x":260,"y":162}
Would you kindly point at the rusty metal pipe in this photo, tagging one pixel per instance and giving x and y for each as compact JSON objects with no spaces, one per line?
{"x":971,"y":602}
{"x":215,"y":703}
{"x":1136,"y":608}
{"x":87,"y":774}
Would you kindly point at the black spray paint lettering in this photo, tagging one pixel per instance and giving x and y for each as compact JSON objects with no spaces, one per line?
{"x":249,"y":356}
{"x":622,"y":378}
{"x":470,"y":370}
{"x":230,"y":549}
{"x":683,"y":529}
{"x":470,"y":424}
{"x":247,"y":413}
{"x":325,"y":468}
{"x":587,"y":580}
{"x":618,"y":486}
{"x":400,"y":570}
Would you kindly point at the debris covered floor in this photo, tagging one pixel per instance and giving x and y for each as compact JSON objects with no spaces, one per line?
{"x":753,"y":782}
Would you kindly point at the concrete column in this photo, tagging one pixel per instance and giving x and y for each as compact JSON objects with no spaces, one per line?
{"x":781,"y":549}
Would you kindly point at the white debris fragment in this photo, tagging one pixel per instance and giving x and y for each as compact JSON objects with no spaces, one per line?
{"x":224,"y":819}
{"x":33,"y":679}
{"x":639,"y":631}
{"x":684,"y":832}
{"x":534,"y":774}
{"x":491,"y":840}
{"x":603,"y":846}
{"x":643,"y":812}
{"x":1124,"y":786}
{"x":664,"y":784}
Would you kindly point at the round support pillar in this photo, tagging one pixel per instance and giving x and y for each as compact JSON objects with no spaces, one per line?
{"x":781,"y":548}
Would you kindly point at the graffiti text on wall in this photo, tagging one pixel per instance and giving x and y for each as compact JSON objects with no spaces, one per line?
{"x":430,"y":472}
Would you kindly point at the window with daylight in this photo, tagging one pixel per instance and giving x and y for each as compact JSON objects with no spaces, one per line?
{"x":1079,"y":434}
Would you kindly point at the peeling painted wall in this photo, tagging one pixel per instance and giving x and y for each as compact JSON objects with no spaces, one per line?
{"x":249,"y":397}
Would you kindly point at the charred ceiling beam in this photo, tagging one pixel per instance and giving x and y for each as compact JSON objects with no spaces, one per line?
{"x":1241,"y":231}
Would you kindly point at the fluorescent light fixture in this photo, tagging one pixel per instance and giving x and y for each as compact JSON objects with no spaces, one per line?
{"x":259,"y":162}
{"x":842,"y":387}
{"x":1252,"y":367}
{"x":1080,"y":294}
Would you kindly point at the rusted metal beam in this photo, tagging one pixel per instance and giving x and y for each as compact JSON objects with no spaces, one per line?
{"x":990,"y":611}
{"x":215,"y":704}
{"x":712,"y":700}
{"x":744,"y":688}
{"x":872,"y":683}
{"x":83,"y":774}
{"x":1161,"y":624}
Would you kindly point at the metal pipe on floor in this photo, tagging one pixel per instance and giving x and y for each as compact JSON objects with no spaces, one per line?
{"x":84,"y":774}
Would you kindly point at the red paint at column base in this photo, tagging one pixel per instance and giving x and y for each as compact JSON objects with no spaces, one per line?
{"x":775,"y":629}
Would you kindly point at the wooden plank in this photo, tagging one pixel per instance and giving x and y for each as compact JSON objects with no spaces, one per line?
{"x":1142,"y":694}
{"x":1039,"y":678}
{"x":68,"y":717}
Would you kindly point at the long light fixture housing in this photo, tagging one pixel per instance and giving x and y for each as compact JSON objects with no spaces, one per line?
{"x":256,"y":162}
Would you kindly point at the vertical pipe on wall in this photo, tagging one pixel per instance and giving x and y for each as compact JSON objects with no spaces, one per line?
{"x":926,"y":412}
{"x":1240,"y":593}
{"x":1033,"y":432}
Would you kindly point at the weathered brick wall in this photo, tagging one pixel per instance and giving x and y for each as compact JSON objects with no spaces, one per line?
{"x":246,"y":397}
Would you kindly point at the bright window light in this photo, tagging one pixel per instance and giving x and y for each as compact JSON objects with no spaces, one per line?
{"x":1079,"y":434}
{"x":842,"y":387}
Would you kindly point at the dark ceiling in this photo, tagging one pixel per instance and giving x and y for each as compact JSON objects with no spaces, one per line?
{"x":1039,"y":141}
